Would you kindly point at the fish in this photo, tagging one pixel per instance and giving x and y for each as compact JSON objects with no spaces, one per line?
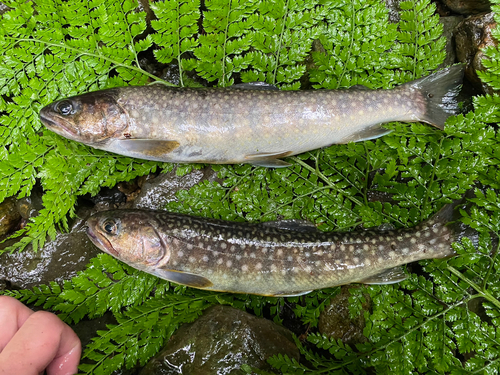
{"x":253,"y":123}
{"x":283,"y":258}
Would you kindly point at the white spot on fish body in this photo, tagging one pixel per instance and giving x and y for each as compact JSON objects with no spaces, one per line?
{"x":220,"y":261}
{"x":244,"y":268}
{"x":229,"y":263}
{"x":189,"y":246}
{"x":205,"y":258}
{"x":192,"y":259}
{"x":180,"y":254}
{"x":405,"y":251}
{"x":413,"y":240}
{"x":258,"y":266}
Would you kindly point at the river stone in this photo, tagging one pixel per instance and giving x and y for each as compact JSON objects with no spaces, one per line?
{"x":219,"y":342}
{"x":157,"y":192}
{"x":9,"y":216}
{"x":58,"y":260}
{"x":472,"y":35}
{"x":468,"y":7}
{"x":335,"y":322}
{"x":449,"y":24}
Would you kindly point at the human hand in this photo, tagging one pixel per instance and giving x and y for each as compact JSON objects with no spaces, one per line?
{"x":31,"y":342}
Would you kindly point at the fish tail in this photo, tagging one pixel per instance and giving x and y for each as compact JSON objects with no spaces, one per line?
{"x":446,"y":228}
{"x":438,"y":95}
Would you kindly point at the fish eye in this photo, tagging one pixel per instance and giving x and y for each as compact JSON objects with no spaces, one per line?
{"x":110,"y":227}
{"x":64,"y":107}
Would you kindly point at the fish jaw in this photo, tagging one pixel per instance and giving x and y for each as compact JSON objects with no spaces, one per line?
{"x":100,"y":241}
{"x":57,"y":124}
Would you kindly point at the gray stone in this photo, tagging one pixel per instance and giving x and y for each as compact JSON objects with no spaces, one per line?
{"x":449,"y":24}
{"x":219,"y":342}
{"x":58,"y":260}
{"x":335,"y":322}
{"x":157,"y":192}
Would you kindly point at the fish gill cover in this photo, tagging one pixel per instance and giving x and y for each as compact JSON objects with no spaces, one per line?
{"x":53,"y":49}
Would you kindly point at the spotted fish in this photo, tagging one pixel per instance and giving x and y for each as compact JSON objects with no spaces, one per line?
{"x":274,"y":259}
{"x":249,"y":123}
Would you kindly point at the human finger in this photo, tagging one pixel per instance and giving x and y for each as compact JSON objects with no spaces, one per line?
{"x":13,"y":314}
{"x":42,"y":342}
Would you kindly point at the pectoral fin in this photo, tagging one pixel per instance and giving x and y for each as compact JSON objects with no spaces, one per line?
{"x":269,"y":159}
{"x":390,"y":276}
{"x":184,"y":278}
{"x":146,"y":147}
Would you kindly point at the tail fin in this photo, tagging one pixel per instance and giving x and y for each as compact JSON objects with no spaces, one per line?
{"x":449,"y":217}
{"x":439,"y":94}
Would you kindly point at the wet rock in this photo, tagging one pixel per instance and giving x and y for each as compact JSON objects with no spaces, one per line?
{"x":449,"y":24}
{"x":394,"y":9}
{"x":157,"y":192}
{"x":219,"y":342}
{"x":467,"y":7}
{"x":472,"y":35}
{"x":9,"y":216}
{"x":336,"y":323}
{"x":29,"y":206}
{"x":58,"y":260}
{"x":109,"y":199}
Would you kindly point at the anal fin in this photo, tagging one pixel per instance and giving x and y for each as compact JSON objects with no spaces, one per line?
{"x":372,"y":132}
{"x":293,"y":225}
{"x":269,"y":159}
{"x":389,"y":276}
{"x":291,"y":294}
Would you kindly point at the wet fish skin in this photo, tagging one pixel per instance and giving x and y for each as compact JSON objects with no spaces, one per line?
{"x":269,"y":259}
{"x":247,"y":123}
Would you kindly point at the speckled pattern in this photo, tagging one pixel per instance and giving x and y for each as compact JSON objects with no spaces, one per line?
{"x":260,"y":259}
{"x":231,"y":125}
{"x":236,"y":125}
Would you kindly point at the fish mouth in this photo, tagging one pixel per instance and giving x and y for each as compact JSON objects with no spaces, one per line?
{"x":56,"y":126}
{"x":101,"y":243}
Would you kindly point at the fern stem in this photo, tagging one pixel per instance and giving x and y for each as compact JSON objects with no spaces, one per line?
{"x":97,"y":56}
{"x":324,"y":178}
{"x":492,"y":265}
{"x":179,"y":63}
{"x":482,"y":292}
{"x":280,"y":44}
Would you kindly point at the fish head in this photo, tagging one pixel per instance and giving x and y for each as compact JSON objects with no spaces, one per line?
{"x":93,"y":118}
{"x":131,"y":236}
